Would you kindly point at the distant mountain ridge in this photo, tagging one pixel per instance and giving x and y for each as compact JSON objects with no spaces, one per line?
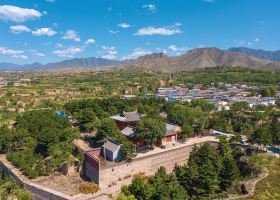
{"x":195,"y":58}
{"x":199,"y":58}
{"x":71,"y":63}
{"x":258,"y":53}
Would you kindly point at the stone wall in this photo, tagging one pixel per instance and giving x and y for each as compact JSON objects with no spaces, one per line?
{"x":147,"y":165}
{"x":38,"y":192}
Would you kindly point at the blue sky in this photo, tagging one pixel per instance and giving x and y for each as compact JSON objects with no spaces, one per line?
{"x":53,"y":30}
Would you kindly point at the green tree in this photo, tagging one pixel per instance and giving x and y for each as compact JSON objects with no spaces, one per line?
{"x":277,"y":102}
{"x":107,"y":129}
{"x":161,"y":186}
{"x":275,"y":130}
{"x":167,"y":186}
{"x":139,"y":189}
{"x":201,"y":176}
{"x":85,"y":116}
{"x":240,"y":106}
{"x":203,"y":104}
{"x":261,"y":136}
{"x":268,"y":92}
{"x":38,"y":135}
{"x":229,"y":172}
{"x":128,"y":150}
{"x":187,"y":131}
{"x":123,"y":196}
{"x":150,"y":129}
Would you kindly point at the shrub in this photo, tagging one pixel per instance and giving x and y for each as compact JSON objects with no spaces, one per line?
{"x":89,"y":188}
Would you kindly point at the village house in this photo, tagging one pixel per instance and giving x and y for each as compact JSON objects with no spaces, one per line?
{"x":126,"y":122}
{"x":126,"y":119}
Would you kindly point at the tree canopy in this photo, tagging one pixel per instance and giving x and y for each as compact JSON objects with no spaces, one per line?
{"x":150,"y":129}
{"x":38,"y":135}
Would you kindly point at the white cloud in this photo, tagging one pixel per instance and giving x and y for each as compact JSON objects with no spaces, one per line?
{"x":50,"y":1}
{"x":20,"y":56}
{"x":5,"y":51}
{"x":58,"y":45}
{"x":110,"y":52}
{"x":47,"y":43}
{"x":17,"y":14}
{"x":136,"y":53}
{"x":243,"y":43}
{"x":124,"y":25}
{"x":19,"y":29}
{"x":175,"y":48}
{"x":71,"y":35}
{"x":44,"y":31}
{"x":112,"y":31}
{"x":257,"y":40}
{"x":150,"y":7}
{"x":39,"y":54}
{"x":171,"y":30}
{"x":90,"y":41}
{"x":69,"y":52}
{"x":209,"y":1}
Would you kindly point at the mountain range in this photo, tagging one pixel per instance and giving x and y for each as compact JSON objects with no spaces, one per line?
{"x":195,"y":58}
{"x":258,"y":53}
{"x":71,"y":63}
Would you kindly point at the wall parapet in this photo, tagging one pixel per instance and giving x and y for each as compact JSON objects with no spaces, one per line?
{"x":38,"y":192}
{"x":146,"y":164}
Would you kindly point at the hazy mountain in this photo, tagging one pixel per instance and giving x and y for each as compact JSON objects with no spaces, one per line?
{"x":196,"y":58}
{"x":258,"y":53}
{"x":82,"y":62}
{"x":71,"y":63}
{"x":199,"y":58}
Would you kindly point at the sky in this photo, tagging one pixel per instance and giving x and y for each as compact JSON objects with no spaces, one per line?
{"x":53,"y":30}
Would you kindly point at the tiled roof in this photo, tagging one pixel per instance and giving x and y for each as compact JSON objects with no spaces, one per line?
{"x":128,"y":131}
{"x":171,"y":129}
{"x":111,"y":145}
{"x":127,"y":117}
{"x":131,"y":116}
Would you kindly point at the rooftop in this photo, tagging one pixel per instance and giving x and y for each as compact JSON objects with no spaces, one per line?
{"x":127,"y":117}
{"x":112,"y":145}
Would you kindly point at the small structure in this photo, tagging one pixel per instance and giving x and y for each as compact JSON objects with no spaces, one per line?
{"x":171,"y":133}
{"x":219,"y":133}
{"x":60,"y":114}
{"x":112,"y":151}
{"x":126,"y":119}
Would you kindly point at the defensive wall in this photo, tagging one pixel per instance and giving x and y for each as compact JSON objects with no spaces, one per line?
{"x":147,"y":165}
{"x":37,"y":191}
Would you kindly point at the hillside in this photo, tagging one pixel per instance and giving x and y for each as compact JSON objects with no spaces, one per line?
{"x":199,"y":58}
{"x":258,"y":53}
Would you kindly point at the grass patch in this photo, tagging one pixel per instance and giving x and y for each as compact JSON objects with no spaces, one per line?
{"x":89,"y":188}
{"x":269,"y":187}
